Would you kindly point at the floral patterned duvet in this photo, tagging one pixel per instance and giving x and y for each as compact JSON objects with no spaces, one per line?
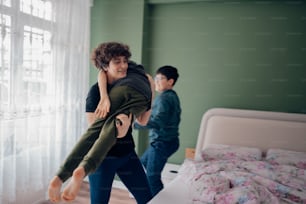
{"x":239,"y":180}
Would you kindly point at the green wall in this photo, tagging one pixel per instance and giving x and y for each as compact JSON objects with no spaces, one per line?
{"x":248,"y":55}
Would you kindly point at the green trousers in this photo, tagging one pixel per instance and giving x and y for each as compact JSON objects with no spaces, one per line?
{"x":99,"y":138}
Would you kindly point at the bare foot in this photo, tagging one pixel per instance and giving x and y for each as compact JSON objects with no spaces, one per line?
{"x":55,"y":189}
{"x":73,"y":187}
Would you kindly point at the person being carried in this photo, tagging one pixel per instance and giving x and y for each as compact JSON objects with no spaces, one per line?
{"x":130,"y":92}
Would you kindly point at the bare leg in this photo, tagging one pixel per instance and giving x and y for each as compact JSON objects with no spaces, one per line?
{"x":71,"y":190}
{"x":55,"y":189}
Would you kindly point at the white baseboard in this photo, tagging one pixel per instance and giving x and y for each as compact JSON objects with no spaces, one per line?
{"x":86,"y":179}
{"x":119,"y":184}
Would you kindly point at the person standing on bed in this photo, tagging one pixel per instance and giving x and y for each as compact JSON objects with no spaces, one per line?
{"x":130,"y":92}
{"x":163,"y":126}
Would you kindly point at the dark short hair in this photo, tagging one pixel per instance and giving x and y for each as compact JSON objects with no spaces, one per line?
{"x":105,"y":52}
{"x":169,"y":71}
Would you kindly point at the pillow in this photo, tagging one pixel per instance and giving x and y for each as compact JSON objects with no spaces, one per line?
{"x":230,"y":152}
{"x":286,"y":157}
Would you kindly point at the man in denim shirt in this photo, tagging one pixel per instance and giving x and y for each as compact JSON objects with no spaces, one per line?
{"x":163,"y":126}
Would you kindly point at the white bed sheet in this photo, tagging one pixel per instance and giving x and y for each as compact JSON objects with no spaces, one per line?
{"x":177,"y":191}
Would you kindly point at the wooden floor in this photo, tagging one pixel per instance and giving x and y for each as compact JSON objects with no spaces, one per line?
{"x":118,"y":196}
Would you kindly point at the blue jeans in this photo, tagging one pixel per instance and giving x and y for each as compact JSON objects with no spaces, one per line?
{"x":154,"y":160}
{"x":131,"y":173}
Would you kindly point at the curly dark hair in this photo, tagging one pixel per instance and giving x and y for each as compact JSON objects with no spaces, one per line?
{"x":105,"y":52}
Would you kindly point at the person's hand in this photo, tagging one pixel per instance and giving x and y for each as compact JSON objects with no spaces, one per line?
{"x":103,"y":107}
{"x":123,"y":123}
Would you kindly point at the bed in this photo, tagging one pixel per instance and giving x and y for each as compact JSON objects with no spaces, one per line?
{"x":243,"y":156}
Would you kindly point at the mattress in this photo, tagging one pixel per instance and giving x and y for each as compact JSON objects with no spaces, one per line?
{"x":176,"y":191}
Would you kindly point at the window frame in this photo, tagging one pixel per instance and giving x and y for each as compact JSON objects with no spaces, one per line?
{"x":15,"y":68}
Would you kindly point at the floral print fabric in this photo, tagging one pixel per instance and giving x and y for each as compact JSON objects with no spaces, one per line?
{"x":281,"y":156}
{"x":239,"y":180}
{"x":226,"y":152}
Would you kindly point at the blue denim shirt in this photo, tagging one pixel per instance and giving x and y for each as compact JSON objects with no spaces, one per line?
{"x":165,"y":117}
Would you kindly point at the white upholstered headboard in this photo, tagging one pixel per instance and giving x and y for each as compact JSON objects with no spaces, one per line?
{"x":262,"y":129}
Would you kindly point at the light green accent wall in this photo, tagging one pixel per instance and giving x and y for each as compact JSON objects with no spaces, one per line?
{"x":246,"y":54}
{"x":177,"y":1}
{"x":238,"y":55}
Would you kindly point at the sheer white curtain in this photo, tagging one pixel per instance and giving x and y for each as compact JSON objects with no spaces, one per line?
{"x":44,"y":70}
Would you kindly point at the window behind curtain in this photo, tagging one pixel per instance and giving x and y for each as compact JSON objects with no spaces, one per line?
{"x":44,"y":68}
{"x":35,"y":51}
{"x":25,"y":84}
